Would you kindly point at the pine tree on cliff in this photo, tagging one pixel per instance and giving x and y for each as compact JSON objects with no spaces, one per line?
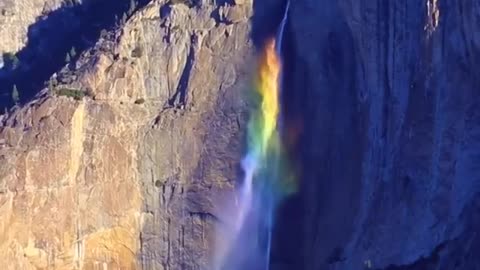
{"x":15,"y":94}
{"x":133,"y":6}
{"x":73,"y":52}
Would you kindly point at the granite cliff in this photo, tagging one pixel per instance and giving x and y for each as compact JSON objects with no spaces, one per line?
{"x":116,"y":159}
{"x":389,"y":94}
{"x":122,"y":178}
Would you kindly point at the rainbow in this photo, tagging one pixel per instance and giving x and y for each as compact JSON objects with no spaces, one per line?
{"x":269,"y":176}
{"x":266,"y":152}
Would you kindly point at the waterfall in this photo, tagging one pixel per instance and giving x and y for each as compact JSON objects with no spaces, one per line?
{"x":281,"y":29}
{"x":271,"y":209}
{"x":246,"y":244}
{"x":278,"y":49}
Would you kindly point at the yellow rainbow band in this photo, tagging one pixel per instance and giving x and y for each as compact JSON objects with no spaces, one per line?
{"x":264,"y":141}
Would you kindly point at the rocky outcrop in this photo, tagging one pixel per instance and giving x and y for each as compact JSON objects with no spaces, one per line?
{"x":390,"y":146}
{"x":122,"y":177}
{"x":57,"y":37}
{"x":16,"y":16}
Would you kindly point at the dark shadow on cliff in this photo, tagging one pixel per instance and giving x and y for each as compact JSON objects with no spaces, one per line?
{"x":71,"y":29}
{"x":458,"y":253}
{"x":179,"y":98}
{"x":319,"y":103}
{"x":266,"y":18}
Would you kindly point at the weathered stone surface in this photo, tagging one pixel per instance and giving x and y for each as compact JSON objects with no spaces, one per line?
{"x":120,"y":183}
{"x":16,"y":16}
{"x":390,"y":146}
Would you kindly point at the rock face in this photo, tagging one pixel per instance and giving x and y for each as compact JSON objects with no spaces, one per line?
{"x":390,"y":142}
{"x":122,"y":179}
{"x":16,"y":16}
{"x":127,"y":178}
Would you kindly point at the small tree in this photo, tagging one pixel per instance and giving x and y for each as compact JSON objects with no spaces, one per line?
{"x":67,"y":58}
{"x":73,"y":53}
{"x":133,"y":6}
{"x":72,"y":3}
{"x":15,"y":94}
{"x":188,"y":3}
{"x":15,"y":62}
{"x":103,"y":33}
{"x":51,"y":84}
{"x":11,"y":60}
{"x":68,"y":92}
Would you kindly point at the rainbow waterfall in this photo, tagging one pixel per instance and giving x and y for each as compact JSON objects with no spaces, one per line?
{"x":267,"y":175}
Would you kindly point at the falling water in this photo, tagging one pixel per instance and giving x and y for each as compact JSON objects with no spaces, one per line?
{"x":281,"y":29}
{"x":278,"y":49}
{"x":271,"y":209}
{"x":247,"y":244}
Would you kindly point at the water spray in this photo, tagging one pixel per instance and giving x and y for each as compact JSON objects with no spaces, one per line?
{"x":266,"y":170}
